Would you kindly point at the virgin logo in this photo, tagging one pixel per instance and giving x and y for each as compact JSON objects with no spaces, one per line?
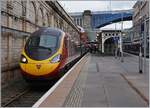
{"x":38,"y":66}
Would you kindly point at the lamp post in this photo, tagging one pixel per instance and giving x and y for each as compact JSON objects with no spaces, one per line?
{"x":140,"y":57}
{"x":145,"y":44}
{"x":140,"y":52}
{"x":143,"y":37}
{"x":116,"y":46}
{"x":121,"y":38}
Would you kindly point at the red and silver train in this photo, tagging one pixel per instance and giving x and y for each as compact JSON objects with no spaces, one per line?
{"x":46,"y":52}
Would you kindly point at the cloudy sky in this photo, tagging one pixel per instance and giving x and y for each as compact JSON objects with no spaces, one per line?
{"x":105,"y":5}
{"x":80,"y":6}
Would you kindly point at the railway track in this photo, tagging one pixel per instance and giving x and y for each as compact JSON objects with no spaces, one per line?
{"x":20,"y":94}
{"x":26,"y":98}
{"x":13,"y":98}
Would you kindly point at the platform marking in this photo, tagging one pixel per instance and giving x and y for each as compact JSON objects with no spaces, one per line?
{"x":38,"y":103}
{"x":74,"y":98}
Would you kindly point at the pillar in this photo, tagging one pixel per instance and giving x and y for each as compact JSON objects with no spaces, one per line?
{"x":103,"y":40}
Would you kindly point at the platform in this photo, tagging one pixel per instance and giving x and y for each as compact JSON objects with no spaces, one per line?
{"x":97,"y":81}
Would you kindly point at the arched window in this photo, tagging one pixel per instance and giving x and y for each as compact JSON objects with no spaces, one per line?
{"x":32,"y":12}
{"x":46,"y":22}
{"x":40,"y":17}
{"x":23,"y":3}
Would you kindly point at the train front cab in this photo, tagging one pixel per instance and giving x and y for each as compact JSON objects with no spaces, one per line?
{"x":40,"y":63}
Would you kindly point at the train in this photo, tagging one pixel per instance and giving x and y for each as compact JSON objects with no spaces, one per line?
{"x":47,"y":52}
{"x":134,"y":48}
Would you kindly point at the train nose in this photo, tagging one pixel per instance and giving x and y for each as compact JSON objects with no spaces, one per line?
{"x":38,"y":69}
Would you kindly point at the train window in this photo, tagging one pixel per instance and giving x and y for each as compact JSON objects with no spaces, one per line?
{"x":41,"y":47}
{"x":48,"y":41}
{"x":43,"y":41}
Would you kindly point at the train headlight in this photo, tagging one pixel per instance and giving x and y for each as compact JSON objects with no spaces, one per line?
{"x":23,"y":59}
{"x":56,"y":58}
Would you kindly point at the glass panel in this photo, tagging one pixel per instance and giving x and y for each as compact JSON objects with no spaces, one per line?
{"x":48,"y":41}
{"x":43,"y":41}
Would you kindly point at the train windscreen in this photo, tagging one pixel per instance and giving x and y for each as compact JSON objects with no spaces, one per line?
{"x":41,"y":47}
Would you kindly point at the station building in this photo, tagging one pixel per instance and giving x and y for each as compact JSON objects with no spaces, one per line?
{"x":140,"y":15}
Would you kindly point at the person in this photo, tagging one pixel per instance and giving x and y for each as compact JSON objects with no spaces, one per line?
{"x":90,"y":48}
{"x":94,"y":48}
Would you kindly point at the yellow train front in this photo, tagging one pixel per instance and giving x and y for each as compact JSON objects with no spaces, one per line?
{"x":44,"y":54}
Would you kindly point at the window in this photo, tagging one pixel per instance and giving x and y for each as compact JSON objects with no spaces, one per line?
{"x":41,"y":47}
{"x":43,"y":41}
{"x":48,"y":41}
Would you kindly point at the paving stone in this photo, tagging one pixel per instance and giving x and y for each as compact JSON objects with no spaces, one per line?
{"x":104,"y":85}
{"x":94,"y":104}
{"x":94,"y":95}
{"x":123,"y":97}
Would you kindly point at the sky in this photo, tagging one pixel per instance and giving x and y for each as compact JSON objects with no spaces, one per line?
{"x":101,"y":5}
{"x":80,"y":6}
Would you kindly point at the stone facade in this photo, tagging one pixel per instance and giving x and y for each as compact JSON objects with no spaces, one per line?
{"x":140,"y":14}
{"x":87,"y":19}
{"x":19,"y":19}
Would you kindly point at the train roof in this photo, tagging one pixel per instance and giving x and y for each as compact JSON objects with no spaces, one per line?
{"x":47,"y":31}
